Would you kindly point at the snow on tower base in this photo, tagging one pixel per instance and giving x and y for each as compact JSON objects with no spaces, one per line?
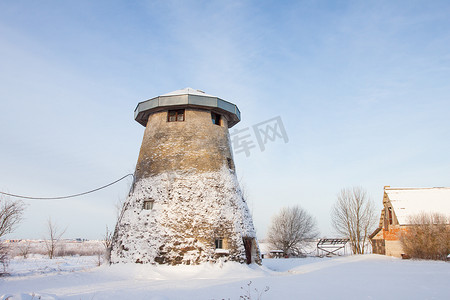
{"x":194,"y":218}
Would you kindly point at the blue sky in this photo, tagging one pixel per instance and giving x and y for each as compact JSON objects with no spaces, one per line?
{"x":362,"y":88}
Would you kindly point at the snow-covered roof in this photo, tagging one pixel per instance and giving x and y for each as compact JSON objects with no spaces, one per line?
{"x":187,"y":91}
{"x":412,"y":201}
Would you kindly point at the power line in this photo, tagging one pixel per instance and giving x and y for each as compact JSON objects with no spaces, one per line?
{"x":70,"y":196}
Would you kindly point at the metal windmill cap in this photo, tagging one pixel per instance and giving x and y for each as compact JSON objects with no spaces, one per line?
{"x":187,"y":97}
{"x":187,"y":91}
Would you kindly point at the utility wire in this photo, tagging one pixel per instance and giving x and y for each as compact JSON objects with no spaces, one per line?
{"x":70,"y":196}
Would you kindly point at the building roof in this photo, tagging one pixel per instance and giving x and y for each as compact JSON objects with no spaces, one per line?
{"x":187,"y":97}
{"x":407,"y":202}
{"x":188,"y":91}
{"x":375,"y":232}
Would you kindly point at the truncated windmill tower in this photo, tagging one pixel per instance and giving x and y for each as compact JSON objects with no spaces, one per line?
{"x":185,"y":206}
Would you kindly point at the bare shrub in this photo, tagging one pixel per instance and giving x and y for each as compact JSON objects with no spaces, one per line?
{"x":27,"y":247}
{"x":65,"y":248}
{"x":100,"y":257}
{"x":24,"y":249}
{"x":4,"y":259}
{"x":54,"y":237}
{"x":427,"y":237}
{"x":252,"y":293}
{"x":353,"y":217}
{"x":107,"y":243}
{"x":290,"y":228}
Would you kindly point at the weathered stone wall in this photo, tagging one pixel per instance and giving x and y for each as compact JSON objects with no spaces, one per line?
{"x":393,"y":248}
{"x":378,"y":243}
{"x":194,"y":144}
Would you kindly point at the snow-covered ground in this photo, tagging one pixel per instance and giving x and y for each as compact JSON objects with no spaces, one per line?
{"x":352,"y":277}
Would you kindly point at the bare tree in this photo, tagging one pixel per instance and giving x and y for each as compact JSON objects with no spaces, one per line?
{"x":427,"y":237}
{"x":353,"y":216}
{"x":290,"y":228}
{"x":11,"y":213}
{"x":54,"y":237}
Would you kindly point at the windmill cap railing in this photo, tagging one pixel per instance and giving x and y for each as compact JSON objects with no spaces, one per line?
{"x":145,"y":108}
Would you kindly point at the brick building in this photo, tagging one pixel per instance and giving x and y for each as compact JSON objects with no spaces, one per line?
{"x":399,"y":204}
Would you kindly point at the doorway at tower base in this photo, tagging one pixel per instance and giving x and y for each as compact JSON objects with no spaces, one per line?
{"x":185,"y":218}
{"x":251,"y":249}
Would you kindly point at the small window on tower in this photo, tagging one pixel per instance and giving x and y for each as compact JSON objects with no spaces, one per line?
{"x":230,"y":163}
{"x":219,"y":243}
{"x":148,"y":204}
{"x":215,"y":118}
{"x":175,"y":115}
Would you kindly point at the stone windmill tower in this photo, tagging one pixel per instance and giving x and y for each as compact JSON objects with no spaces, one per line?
{"x":185,"y":206}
